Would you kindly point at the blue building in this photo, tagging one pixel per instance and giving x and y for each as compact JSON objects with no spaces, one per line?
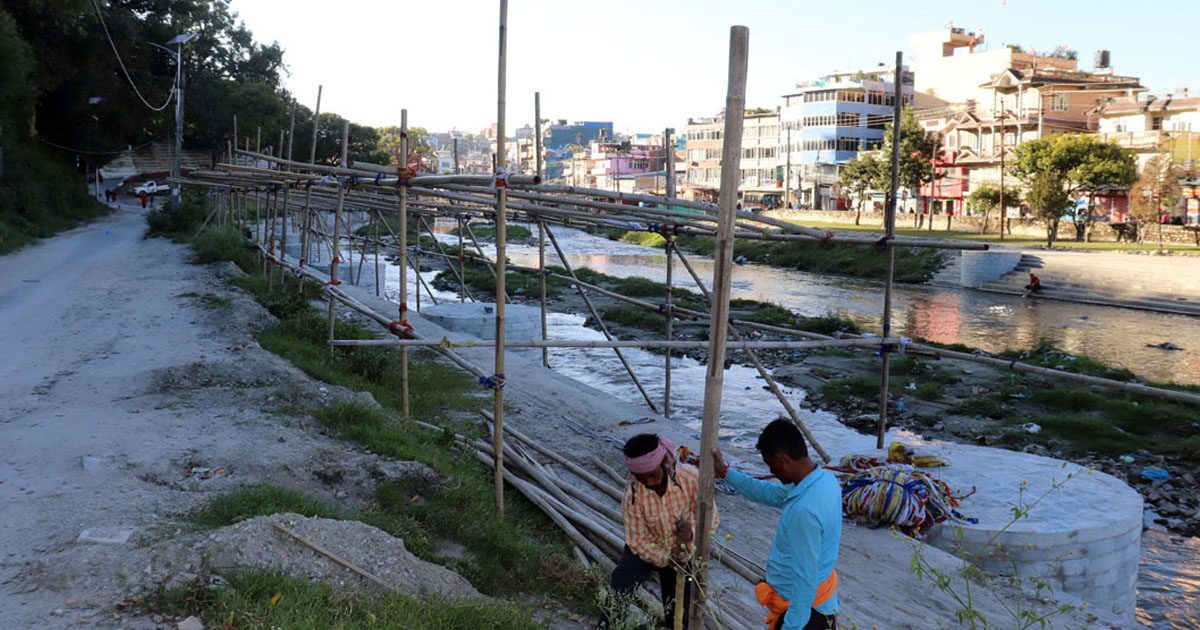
{"x":560,"y":136}
{"x":834,"y":118}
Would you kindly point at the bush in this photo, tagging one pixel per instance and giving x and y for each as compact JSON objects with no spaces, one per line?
{"x":41,"y":196}
{"x":180,"y":219}
{"x":216,"y":244}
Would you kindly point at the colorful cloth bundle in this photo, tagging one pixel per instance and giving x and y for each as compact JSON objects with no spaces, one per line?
{"x":900,"y":496}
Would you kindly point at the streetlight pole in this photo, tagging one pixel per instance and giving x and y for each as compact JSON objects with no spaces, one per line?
{"x":177,"y":166}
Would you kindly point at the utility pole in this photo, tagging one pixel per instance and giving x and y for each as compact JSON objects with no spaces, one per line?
{"x":455,"y":156}
{"x":537,"y":131}
{"x":669,"y":163}
{"x":1003,"y":209}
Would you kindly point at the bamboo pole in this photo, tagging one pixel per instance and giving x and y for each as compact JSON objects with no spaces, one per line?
{"x":501,"y":295}
{"x":670,"y":246}
{"x":336,"y":254}
{"x":537,"y":132}
{"x":378,"y":218}
{"x":735,"y":104}
{"x":599,"y":320}
{"x":305,"y":237}
{"x":648,"y":344}
{"x":287,"y":192}
{"x":403,"y":240}
{"x":462,"y":284}
{"x":542,"y":285}
{"x":889,"y":231}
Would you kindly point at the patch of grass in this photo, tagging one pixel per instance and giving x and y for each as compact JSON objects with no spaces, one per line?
{"x":1045,"y":354}
{"x":260,"y":500}
{"x":213,"y":302}
{"x":645,"y":239}
{"x":913,"y":265}
{"x":480,"y":280}
{"x":264,"y":600}
{"x":1087,"y":432}
{"x":842,"y":391}
{"x":928,"y":391}
{"x":283,"y":300}
{"x":636,"y":317}
{"x":487,"y":232}
{"x":216,"y":244}
{"x":985,"y":406}
{"x":520,"y":553}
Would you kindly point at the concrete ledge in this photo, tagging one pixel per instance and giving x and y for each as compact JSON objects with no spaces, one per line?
{"x":478,"y":319}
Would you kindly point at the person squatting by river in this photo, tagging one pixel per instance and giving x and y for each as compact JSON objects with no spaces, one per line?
{"x":657,"y":511}
{"x":800,"y":566}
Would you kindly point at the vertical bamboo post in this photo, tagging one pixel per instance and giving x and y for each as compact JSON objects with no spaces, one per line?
{"x":670,"y":313}
{"x":462,"y":257}
{"x":501,"y":268}
{"x":889,"y":231}
{"x":335,"y":256}
{"x":542,"y":286}
{"x":287,"y":194}
{"x":306,"y":223}
{"x":714,"y":378}
{"x":404,"y":259}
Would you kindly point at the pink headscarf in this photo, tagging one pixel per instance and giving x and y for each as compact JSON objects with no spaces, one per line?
{"x":650,"y":461}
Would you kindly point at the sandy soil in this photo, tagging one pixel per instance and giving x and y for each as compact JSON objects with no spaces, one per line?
{"x":122,"y":368}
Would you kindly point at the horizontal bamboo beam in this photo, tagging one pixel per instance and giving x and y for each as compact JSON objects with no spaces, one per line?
{"x":649,"y":344}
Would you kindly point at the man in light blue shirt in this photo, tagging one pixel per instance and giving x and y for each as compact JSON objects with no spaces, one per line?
{"x":801,"y":584}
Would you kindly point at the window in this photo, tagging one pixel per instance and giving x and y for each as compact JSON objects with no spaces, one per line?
{"x":1156,"y":123}
{"x":847,"y":144}
{"x":1058,"y":102}
{"x":767,"y":152}
{"x":846,"y":119}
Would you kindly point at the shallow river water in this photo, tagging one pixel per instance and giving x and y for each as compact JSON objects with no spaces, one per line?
{"x":1169,"y":579}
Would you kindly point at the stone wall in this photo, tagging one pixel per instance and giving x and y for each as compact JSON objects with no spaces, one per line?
{"x":1101,"y":232}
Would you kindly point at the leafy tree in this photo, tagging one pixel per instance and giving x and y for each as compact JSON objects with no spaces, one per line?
{"x":1049,"y":199}
{"x":419,"y":147}
{"x":986,"y":198}
{"x":861,"y":175}
{"x":917,"y":152}
{"x":1083,"y":163}
{"x":1155,"y":193}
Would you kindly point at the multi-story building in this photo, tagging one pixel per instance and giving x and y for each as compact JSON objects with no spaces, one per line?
{"x":759,"y":174}
{"x":703,"y":149}
{"x":829,"y":121}
{"x":998,"y":99}
{"x":614,"y":162}
{"x":562,"y":135}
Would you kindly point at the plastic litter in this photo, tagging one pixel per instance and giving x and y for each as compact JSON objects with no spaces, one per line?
{"x":901,"y":407}
{"x":1127,"y":458}
{"x":1017,"y":396}
{"x":1154,"y":474}
{"x":207,"y":472}
{"x":1032,"y":427}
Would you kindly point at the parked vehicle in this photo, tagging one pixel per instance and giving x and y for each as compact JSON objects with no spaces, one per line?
{"x":150,"y":188}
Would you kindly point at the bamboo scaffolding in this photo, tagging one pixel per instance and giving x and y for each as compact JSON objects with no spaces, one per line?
{"x":889,"y":232}
{"x":463,"y":291}
{"x":646,"y":344}
{"x":403,"y":244}
{"x":596,"y":315}
{"x":336,"y":253}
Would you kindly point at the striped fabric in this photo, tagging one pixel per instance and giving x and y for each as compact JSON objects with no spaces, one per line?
{"x":650,"y":519}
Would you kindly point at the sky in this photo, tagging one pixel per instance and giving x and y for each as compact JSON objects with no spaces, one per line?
{"x":650,"y":64}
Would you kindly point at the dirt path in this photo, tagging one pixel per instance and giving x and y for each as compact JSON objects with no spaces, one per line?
{"x":117,"y":375}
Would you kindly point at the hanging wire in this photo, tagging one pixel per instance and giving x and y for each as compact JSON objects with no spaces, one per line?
{"x":170,"y":95}
{"x":116,"y":152}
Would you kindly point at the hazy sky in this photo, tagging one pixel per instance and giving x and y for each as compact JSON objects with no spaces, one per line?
{"x":649,"y":64}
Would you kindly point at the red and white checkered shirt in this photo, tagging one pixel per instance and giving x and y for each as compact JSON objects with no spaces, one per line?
{"x":650,"y":519}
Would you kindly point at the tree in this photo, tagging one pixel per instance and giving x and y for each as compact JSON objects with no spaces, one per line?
{"x":1156,"y":192}
{"x":986,"y":197}
{"x":1083,"y":163}
{"x":861,"y":175}
{"x":419,"y":147}
{"x":918,"y":150}
{"x":1048,"y":198}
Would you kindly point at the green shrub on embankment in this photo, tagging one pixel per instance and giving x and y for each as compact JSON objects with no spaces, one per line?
{"x":913,"y":265}
{"x":264,"y":600}
{"x":40,"y":196}
{"x":487,"y":232}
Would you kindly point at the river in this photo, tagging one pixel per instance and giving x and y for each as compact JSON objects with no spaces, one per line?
{"x":1169,"y":577}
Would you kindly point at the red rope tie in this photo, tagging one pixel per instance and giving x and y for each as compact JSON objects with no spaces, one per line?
{"x":333,"y":282}
{"x":336,"y":260}
{"x":401,"y":329}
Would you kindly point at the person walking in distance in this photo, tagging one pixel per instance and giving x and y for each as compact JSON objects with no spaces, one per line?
{"x":657,"y":511}
{"x":800,"y":589}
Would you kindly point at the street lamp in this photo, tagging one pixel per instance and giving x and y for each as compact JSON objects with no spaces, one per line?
{"x":176,"y":168}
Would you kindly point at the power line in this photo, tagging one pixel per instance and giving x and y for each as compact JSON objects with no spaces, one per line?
{"x":82,"y":151}
{"x":170,"y":94}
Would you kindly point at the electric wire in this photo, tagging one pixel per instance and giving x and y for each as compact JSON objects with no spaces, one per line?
{"x":170,"y":94}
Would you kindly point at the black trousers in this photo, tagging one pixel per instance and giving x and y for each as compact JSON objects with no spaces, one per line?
{"x":816,"y":621}
{"x":632,"y":571}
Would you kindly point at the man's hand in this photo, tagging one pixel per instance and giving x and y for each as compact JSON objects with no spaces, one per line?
{"x":719,"y":467}
{"x":683,"y":531}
